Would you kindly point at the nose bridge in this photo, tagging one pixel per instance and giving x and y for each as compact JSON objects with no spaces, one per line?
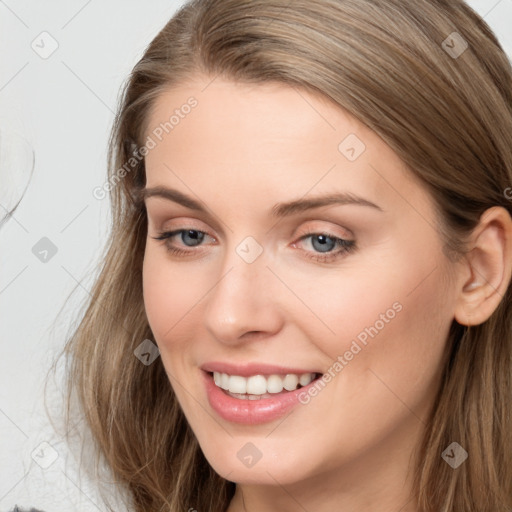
{"x":242,"y":300}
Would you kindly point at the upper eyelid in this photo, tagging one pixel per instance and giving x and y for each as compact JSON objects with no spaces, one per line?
{"x":300,"y":232}
{"x":306,"y":236}
{"x":191,"y":224}
{"x":159,"y":217}
{"x":307,"y":232}
{"x":327,"y":231}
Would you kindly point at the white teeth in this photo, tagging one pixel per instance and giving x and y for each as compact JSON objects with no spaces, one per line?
{"x":305,"y":379}
{"x":256,"y":385}
{"x":274,"y":384}
{"x":290,"y":382}
{"x":259,"y":384}
{"x":224,"y":381}
{"x":237,"y":384}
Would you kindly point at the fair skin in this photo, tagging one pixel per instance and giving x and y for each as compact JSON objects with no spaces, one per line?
{"x":242,"y":150}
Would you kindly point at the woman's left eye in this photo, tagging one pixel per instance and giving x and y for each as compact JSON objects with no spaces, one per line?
{"x":324,"y":246}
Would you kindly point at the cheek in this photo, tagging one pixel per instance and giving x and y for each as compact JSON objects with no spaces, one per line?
{"x":170,"y":293}
{"x":395,"y":293}
{"x":384,"y":329}
{"x":353,"y":302}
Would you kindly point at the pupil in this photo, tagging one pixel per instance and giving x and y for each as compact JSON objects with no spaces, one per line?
{"x":194,"y":237}
{"x":324,"y":243}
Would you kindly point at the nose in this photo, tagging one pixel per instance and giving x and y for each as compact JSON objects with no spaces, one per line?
{"x":243,"y":304}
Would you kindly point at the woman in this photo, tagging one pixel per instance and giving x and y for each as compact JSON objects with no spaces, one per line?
{"x":306,"y":303}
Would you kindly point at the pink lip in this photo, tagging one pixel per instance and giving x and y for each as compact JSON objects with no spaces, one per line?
{"x":246,"y":370}
{"x":251,"y":412}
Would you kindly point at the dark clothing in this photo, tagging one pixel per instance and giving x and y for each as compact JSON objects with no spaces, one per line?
{"x":17,"y":509}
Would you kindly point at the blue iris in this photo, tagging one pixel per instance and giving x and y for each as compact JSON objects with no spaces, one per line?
{"x":192,"y":237}
{"x":324,"y":243}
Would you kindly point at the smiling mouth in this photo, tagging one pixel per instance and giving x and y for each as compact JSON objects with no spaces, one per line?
{"x":259,"y":387}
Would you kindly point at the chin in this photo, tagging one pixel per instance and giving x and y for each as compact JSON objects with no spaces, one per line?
{"x":267,"y":470}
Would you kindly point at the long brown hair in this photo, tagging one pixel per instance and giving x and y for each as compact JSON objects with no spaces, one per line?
{"x":430,"y":78}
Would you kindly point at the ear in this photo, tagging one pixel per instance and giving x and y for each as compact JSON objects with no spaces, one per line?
{"x":489,"y":263}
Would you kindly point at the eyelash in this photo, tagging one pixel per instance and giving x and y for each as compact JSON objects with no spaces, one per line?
{"x":345,"y":246}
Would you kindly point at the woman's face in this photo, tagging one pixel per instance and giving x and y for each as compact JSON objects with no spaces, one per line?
{"x":301,"y":244}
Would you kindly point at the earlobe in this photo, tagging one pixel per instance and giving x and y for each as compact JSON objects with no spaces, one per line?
{"x":490,"y":264}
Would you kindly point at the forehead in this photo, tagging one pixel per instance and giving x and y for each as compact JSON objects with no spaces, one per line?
{"x":272,"y":139}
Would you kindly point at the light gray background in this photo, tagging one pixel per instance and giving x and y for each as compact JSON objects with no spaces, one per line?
{"x":64,"y":107}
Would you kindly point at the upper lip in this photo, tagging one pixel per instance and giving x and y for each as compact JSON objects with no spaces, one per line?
{"x":248,"y":369}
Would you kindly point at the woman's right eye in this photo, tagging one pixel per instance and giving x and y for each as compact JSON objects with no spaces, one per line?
{"x":188,"y":237}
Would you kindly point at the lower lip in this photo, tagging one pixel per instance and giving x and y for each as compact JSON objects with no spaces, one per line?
{"x":251,"y":412}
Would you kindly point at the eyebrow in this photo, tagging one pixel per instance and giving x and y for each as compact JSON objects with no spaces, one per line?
{"x":278,"y":210}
